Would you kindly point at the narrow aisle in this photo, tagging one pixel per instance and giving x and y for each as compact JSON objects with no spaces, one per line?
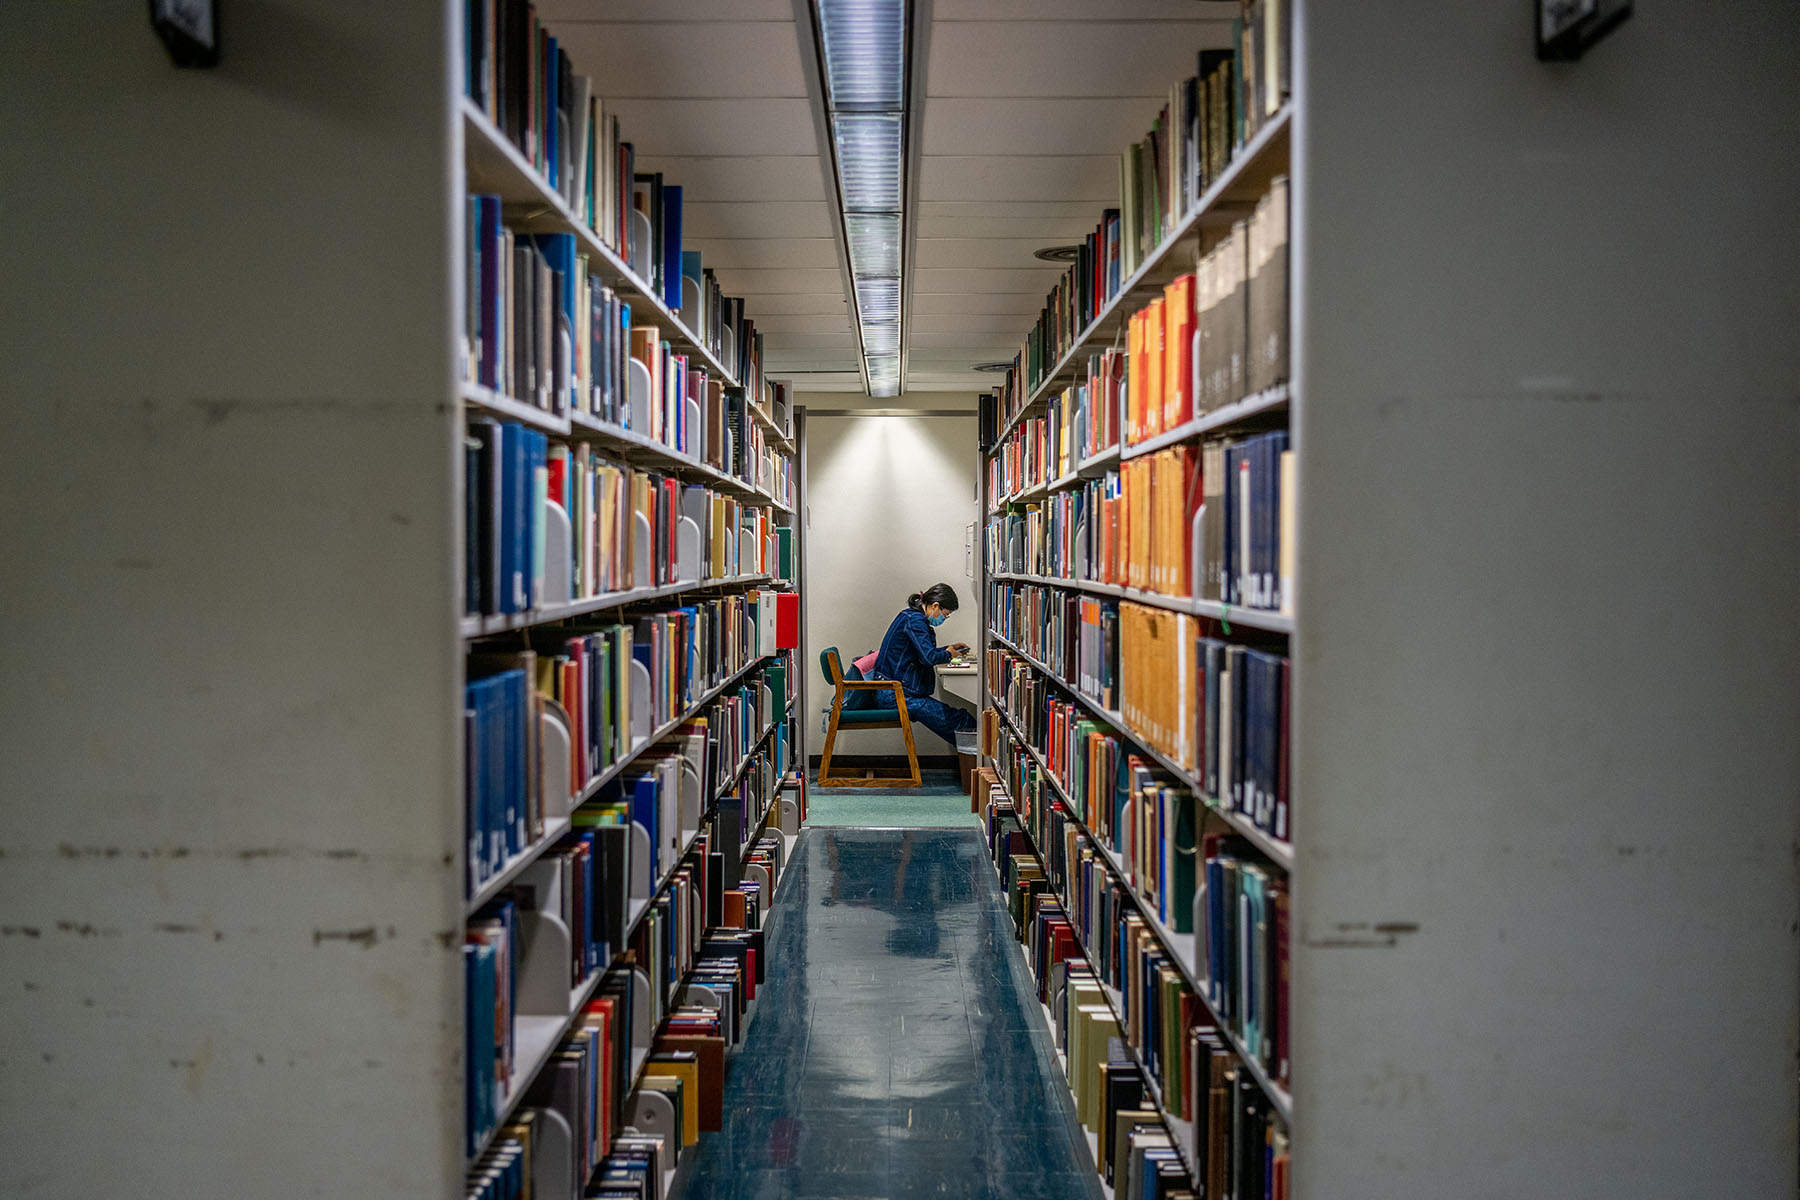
{"x":898,"y":1048}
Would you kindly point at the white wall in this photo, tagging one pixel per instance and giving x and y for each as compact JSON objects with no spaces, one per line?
{"x":230,"y":816}
{"x":1549,"y":680}
{"x":889,"y":499}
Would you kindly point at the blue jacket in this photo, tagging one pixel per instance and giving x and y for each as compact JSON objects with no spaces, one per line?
{"x":909,"y":651}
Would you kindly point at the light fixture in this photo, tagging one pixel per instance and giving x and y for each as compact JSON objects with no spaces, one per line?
{"x":874,"y":243}
{"x":993,"y":368}
{"x":863,"y":51}
{"x":1058,"y":253}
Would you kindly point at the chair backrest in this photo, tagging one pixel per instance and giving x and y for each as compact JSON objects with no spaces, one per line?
{"x":831,"y":665}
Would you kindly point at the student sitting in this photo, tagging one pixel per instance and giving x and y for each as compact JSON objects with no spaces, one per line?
{"x":908,"y":655}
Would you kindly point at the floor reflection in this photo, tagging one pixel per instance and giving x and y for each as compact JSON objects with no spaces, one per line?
{"x":898,"y":1049}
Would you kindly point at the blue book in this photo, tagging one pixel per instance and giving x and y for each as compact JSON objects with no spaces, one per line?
{"x":671,"y":242}
{"x":645,"y":806}
{"x":510,"y":517}
{"x":537,"y":461}
{"x":622,"y":413}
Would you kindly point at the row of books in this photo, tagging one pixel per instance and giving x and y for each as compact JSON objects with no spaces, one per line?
{"x":550,"y":523}
{"x":1213,"y":521}
{"x":1117,"y":795}
{"x":598,"y":1062}
{"x":543,"y":329}
{"x":1215,"y":336}
{"x":1215,"y":707}
{"x":1191,"y":144}
{"x":515,"y":72}
{"x":1154,"y":1079}
{"x":719,"y":763}
{"x":1244,"y":948}
{"x":1081,"y":422}
{"x":578,"y":680}
{"x":1076,"y":636}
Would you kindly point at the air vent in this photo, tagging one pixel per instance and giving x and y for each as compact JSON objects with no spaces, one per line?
{"x":994,"y":368}
{"x":1058,"y":253}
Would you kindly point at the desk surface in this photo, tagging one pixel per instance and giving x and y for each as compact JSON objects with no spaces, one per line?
{"x":954,"y":669}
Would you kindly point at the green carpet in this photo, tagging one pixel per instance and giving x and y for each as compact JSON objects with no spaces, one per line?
{"x":941,"y":803}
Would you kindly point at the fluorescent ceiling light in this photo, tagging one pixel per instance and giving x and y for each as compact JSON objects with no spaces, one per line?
{"x":878,"y":299}
{"x":874,"y":243}
{"x":865,"y":53}
{"x":870,"y":154}
{"x":881,"y":338}
{"x":863,"y":48}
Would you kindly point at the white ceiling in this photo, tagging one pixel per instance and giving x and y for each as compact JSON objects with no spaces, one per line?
{"x":1027,"y":106}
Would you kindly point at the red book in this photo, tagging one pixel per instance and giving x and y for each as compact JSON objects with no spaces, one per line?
{"x":787,"y":620}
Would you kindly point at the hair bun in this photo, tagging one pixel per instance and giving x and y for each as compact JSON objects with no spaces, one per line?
{"x":916,"y":600}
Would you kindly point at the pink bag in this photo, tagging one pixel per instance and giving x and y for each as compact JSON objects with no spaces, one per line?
{"x":866,"y":663}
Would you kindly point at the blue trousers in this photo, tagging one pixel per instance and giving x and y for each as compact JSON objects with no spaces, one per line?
{"x":942,"y":719}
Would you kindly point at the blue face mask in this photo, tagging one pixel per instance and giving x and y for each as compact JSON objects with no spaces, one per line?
{"x":936,"y":621}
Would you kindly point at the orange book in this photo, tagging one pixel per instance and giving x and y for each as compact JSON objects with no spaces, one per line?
{"x":1178,"y":352}
{"x":1134,"y":379}
{"x":1153,"y":368}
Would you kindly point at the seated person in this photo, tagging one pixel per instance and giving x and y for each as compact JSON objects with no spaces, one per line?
{"x":908,"y":655}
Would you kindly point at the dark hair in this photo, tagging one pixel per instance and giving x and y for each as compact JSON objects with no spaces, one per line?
{"x":941,"y":594}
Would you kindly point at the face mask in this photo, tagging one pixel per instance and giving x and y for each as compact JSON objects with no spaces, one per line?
{"x":936,"y":621}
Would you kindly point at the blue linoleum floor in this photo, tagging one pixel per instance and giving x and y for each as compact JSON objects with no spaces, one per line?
{"x":898,"y":1048}
{"x":941,"y":802}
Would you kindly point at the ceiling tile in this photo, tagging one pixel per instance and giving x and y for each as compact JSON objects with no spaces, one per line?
{"x":1035,"y":208}
{"x":977,"y":345}
{"x":1093,"y":178}
{"x":999,"y":126}
{"x":1012,"y":326}
{"x":717,"y":127}
{"x":1043,"y":231}
{"x":1020,"y":306}
{"x":751,"y":281}
{"x":686,"y":59}
{"x":709,"y":12}
{"x":771,"y":324}
{"x":944,"y":11}
{"x":1096,"y":57}
{"x":839,"y":339}
{"x":827,"y":381}
{"x":754,"y":179}
{"x":725,"y":254}
{"x":766,"y":304}
{"x":983,"y":252}
{"x":995,"y":279}
{"x":723,"y":218}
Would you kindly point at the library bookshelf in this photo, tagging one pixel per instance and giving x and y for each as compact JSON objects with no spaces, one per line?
{"x":1470,"y":798}
{"x":617,"y":927}
{"x":1064,"y":444}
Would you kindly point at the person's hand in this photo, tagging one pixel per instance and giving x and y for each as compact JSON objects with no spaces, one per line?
{"x":958,"y":649}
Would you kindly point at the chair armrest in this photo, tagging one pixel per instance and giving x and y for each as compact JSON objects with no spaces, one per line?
{"x":871,"y":683}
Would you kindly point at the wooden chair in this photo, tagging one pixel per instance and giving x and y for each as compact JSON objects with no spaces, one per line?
{"x":864,"y":718}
